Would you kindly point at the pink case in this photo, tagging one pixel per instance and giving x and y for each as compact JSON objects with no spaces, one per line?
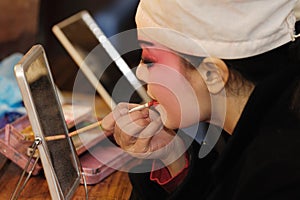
{"x":101,"y":161}
{"x":14,"y":145}
{"x":98,"y":161}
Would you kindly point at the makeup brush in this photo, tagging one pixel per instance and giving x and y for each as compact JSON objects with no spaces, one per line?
{"x":82,"y":130}
{"x":98,"y":123}
{"x":146,"y":105}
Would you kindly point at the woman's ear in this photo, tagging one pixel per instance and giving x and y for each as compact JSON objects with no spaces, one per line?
{"x":215,"y":74}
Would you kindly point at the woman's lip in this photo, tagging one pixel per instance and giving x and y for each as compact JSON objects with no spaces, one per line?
{"x":152,"y":103}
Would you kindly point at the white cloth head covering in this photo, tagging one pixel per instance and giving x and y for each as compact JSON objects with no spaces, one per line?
{"x":297,"y":10}
{"x":224,"y":29}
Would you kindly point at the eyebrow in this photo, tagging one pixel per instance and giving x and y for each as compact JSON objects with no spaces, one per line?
{"x":145,"y":43}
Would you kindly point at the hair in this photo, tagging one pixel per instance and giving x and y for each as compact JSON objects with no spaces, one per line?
{"x":255,"y":69}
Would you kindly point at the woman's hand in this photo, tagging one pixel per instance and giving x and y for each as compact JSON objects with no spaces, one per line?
{"x":142,"y":134}
{"x":109,"y":121}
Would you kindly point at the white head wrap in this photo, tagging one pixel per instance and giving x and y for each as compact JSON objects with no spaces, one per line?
{"x":225,"y":29}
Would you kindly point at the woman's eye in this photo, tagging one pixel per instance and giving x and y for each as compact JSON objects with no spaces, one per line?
{"x":147,"y":62}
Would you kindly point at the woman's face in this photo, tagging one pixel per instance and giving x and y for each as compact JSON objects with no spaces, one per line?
{"x":180,"y":90}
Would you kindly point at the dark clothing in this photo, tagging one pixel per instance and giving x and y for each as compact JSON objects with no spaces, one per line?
{"x":261,"y":160}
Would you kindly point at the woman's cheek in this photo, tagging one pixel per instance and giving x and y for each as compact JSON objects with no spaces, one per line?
{"x":142,"y":73}
{"x":176,"y":96}
{"x":163,"y":113}
{"x":169,"y":107}
{"x":170,"y":121}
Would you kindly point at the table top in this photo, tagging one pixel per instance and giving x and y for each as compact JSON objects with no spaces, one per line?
{"x":115,"y":186}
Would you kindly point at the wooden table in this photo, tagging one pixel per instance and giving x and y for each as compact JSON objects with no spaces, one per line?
{"x":116,"y":186}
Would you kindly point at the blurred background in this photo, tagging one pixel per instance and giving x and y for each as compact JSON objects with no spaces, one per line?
{"x":25,"y":23}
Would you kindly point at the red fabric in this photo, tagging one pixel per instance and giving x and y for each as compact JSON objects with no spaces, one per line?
{"x":163,"y":177}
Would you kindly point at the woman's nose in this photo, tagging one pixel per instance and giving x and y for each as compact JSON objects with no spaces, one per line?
{"x":142,"y":72}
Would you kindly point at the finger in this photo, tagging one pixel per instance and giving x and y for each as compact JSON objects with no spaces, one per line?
{"x":151,"y":130}
{"x":153,"y":114}
{"x":120,"y":110}
{"x":142,"y":144}
{"x":133,"y":117}
{"x":131,"y":128}
{"x":123,"y":139}
{"x":108,"y":122}
{"x":127,"y":136}
{"x":130,"y":125}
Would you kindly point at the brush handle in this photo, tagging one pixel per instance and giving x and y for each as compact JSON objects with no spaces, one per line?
{"x":84,"y":129}
{"x":141,"y":107}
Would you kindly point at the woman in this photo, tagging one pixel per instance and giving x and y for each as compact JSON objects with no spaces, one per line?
{"x":232,"y":65}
